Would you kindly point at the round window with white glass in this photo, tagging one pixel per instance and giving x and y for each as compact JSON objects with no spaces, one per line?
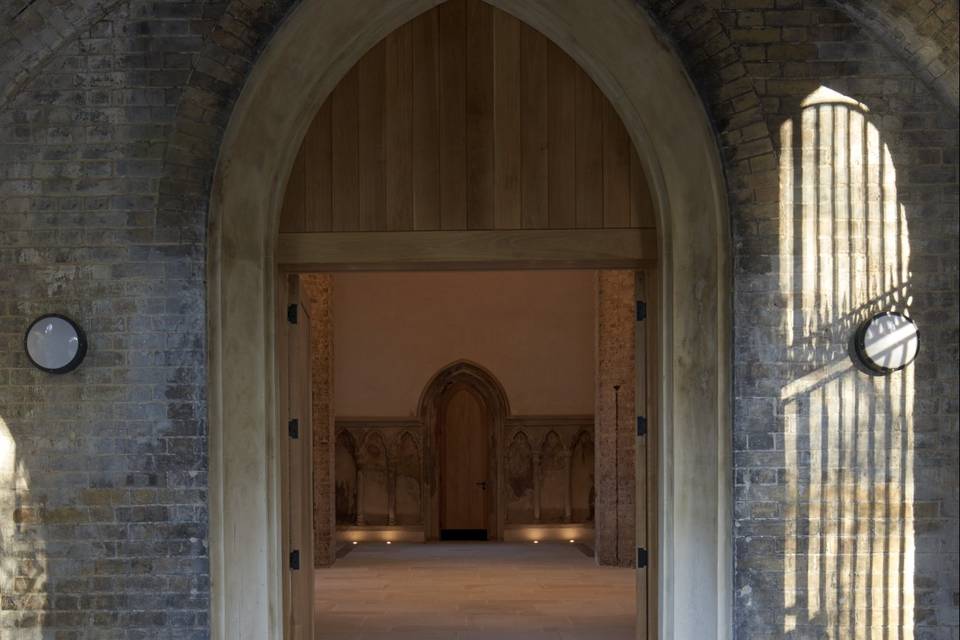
{"x":887,"y":342}
{"x":55,"y":343}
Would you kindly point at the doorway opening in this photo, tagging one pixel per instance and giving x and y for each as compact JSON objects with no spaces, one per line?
{"x":467,"y":140}
{"x":611,"y":41}
{"x":472,"y":406}
{"x":463,"y":409}
{"x":462,"y":428}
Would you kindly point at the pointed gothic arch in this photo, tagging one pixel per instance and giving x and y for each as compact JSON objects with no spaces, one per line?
{"x":615,"y":42}
{"x":485,"y":385}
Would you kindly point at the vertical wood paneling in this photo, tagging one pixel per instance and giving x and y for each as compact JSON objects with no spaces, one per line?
{"x":452,"y":21}
{"x":345,"y":145}
{"x":466,"y":118}
{"x":371,"y":103}
{"x":562,"y":125}
{"x":589,"y":152}
{"x":316,"y":153}
{"x":425,"y":161}
{"x":508,"y":119}
{"x":641,"y":201}
{"x":534,"y":183}
{"x":616,"y":169}
{"x":479,"y":103}
{"x":399,"y":129}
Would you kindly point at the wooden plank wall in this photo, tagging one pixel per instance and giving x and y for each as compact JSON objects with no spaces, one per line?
{"x":466,"y":118}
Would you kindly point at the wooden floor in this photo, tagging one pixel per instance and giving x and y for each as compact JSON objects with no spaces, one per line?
{"x":473,"y":591}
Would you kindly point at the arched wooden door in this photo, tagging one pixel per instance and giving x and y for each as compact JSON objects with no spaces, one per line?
{"x":465,"y":425}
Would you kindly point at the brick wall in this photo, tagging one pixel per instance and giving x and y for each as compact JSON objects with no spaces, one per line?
{"x":842,"y":173}
{"x":104,"y":472}
{"x":318,"y":288}
{"x":923,"y":31}
{"x":844,"y":482}
{"x":615,"y":431}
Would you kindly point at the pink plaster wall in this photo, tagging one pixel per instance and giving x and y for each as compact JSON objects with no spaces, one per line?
{"x":534,"y":330}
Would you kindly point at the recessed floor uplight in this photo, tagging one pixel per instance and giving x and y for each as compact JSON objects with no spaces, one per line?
{"x":536,"y":542}
{"x":355,"y":542}
{"x":388,"y":542}
{"x":572,"y":541}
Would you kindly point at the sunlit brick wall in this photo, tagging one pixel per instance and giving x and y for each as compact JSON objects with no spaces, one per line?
{"x":846,"y":518}
{"x":842,"y":168}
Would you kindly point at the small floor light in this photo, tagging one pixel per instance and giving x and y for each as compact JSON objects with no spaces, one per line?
{"x":572,"y":541}
{"x":536,"y":542}
{"x":388,"y":542}
{"x":55,"y":343}
{"x":355,"y":542}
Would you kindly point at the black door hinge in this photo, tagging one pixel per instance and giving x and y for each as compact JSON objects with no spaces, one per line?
{"x":293,"y":427}
{"x":641,"y":557}
{"x":641,"y":426}
{"x":292,"y":313}
{"x":641,"y":311}
{"x":295,"y":559}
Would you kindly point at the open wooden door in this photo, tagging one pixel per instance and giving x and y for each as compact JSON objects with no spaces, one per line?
{"x":646,"y":452}
{"x":296,"y":460}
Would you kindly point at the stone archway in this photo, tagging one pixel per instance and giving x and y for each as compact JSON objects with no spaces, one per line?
{"x":615,"y":43}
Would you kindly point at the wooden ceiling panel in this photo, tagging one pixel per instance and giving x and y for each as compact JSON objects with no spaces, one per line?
{"x":466,"y":119}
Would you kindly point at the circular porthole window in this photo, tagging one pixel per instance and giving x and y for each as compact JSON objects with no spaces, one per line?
{"x":887,"y":342}
{"x":55,"y":343}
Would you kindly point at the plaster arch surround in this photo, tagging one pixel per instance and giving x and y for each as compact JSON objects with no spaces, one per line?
{"x":616,"y":44}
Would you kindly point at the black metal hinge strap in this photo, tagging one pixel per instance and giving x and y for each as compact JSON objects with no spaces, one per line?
{"x":641,"y":426}
{"x":641,"y":311}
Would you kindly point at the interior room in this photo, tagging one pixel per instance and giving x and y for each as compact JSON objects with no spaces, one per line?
{"x":466,"y":238}
{"x":463,"y":409}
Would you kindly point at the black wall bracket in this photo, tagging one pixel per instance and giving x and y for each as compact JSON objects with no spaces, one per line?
{"x":641,"y":557}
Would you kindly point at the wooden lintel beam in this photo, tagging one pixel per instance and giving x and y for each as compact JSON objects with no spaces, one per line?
{"x":499,"y":249}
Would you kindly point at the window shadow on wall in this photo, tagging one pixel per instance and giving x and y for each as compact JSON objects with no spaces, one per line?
{"x":844,"y":505}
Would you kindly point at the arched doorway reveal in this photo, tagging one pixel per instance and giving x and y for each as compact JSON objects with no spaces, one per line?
{"x":615,"y":43}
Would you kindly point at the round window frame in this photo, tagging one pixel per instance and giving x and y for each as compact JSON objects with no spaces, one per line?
{"x":860,"y":344}
{"x":81,"y":344}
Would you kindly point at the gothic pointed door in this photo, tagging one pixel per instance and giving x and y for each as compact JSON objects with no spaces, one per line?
{"x":464,"y":432}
